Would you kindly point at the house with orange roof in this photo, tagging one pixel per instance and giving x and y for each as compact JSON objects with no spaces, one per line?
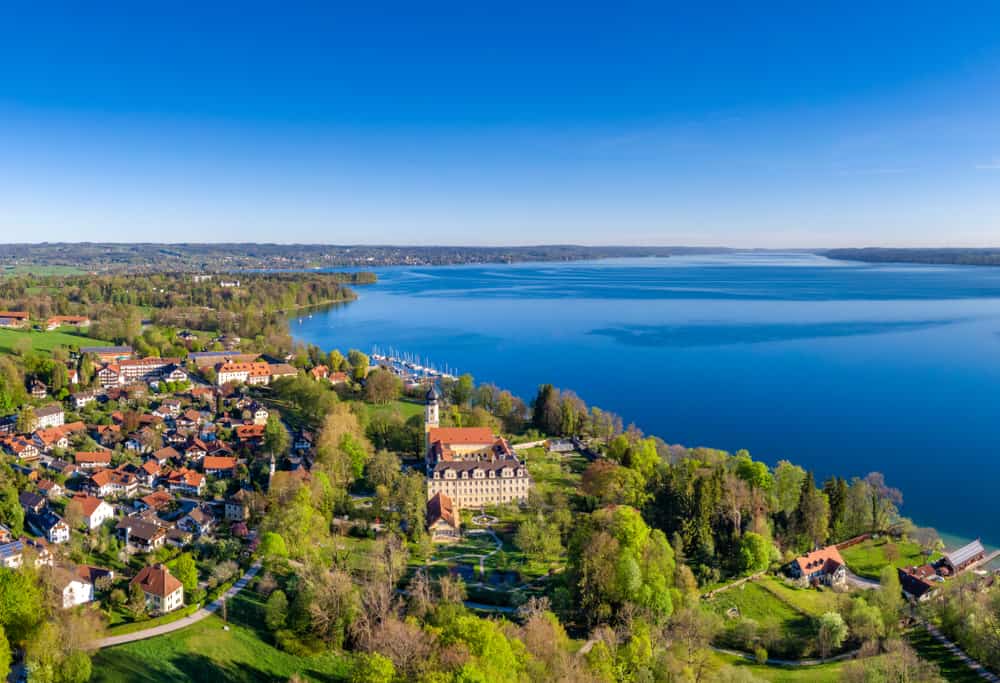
{"x":57,"y":321}
{"x":14,"y":318}
{"x":443,"y":520}
{"x":219,"y":466}
{"x":88,"y":460}
{"x":186,"y":481}
{"x":823,"y":566}
{"x":164,"y":592}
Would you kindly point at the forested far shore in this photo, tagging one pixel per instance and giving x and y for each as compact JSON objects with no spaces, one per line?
{"x":226,"y":258}
{"x":945,"y":256}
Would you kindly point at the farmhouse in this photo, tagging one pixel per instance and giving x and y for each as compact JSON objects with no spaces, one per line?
{"x":916,"y":582}
{"x":14,"y":318}
{"x":967,"y":555}
{"x":820,"y":566}
{"x":57,"y":321}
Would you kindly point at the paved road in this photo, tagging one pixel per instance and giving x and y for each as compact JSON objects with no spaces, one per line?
{"x":861,"y":582}
{"x":180,"y":623}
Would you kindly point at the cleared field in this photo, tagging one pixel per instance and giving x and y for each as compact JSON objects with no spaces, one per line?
{"x":794,"y":630}
{"x":867,"y":559}
{"x":43,"y":341}
{"x":207,"y":652}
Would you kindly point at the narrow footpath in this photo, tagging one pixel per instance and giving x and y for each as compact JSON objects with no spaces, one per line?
{"x":954,"y":649}
{"x":205,"y":611}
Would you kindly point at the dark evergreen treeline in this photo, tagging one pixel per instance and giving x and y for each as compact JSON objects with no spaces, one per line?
{"x":956,"y":256}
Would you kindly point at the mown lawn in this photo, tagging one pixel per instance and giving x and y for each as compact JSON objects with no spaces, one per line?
{"x":206,"y":652}
{"x":820,"y":673}
{"x":867,"y":559}
{"x":406,"y":409}
{"x":44,"y":341}
{"x":952,"y":668}
{"x":553,"y":471}
{"x":811,"y":600}
{"x":796,"y":629}
{"x":22,"y":269}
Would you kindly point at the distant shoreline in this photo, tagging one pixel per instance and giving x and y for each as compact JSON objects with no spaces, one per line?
{"x":925,"y":256}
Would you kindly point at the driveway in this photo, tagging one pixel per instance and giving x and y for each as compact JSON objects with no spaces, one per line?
{"x":205,"y":611}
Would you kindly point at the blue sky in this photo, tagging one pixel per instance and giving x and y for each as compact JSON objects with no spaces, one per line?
{"x":493,"y":123}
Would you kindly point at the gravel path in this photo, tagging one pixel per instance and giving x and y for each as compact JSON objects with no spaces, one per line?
{"x":982,"y":671}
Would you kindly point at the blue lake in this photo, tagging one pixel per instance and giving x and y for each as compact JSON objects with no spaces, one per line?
{"x":841,"y":367}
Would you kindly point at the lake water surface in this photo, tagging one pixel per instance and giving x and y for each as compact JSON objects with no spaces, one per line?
{"x":841,"y":367}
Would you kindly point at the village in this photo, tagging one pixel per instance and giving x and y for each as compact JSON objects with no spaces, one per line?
{"x":168,"y":453}
{"x":140,"y":496}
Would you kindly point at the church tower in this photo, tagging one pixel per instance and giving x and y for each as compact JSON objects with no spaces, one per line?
{"x":432,"y":417}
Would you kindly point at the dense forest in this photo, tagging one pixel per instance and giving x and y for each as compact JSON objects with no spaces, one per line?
{"x":253,"y":305}
{"x":957,"y":256}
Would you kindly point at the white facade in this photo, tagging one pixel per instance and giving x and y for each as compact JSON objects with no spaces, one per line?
{"x":77,"y":592}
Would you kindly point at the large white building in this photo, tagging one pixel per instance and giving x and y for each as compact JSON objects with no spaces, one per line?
{"x":471,"y":465}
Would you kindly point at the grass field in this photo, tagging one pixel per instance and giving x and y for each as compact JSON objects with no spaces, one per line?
{"x":406,"y":409}
{"x":752,"y":601}
{"x":808,"y":600}
{"x":821,"y":673}
{"x":867,"y":559}
{"x":40,"y":270}
{"x":43,"y":341}
{"x":206,"y":652}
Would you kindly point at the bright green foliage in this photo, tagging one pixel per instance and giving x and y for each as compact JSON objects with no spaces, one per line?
{"x":186,"y":572}
{"x":615,"y":559}
{"x":461,"y":390}
{"x":754,"y":473}
{"x":5,"y":655}
{"x":272,"y":544}
{"x":11,"y":511}
{"x":373,"y":668}
{"x":20,"y":604}
{"x":832,"y":632}
{"x":276,"y":610}
{"x":359,"y":364}
{"x":754,"y":553}
{"x":276,"y":439}
{"x":538,"y":538}
{"x":497,"y":657}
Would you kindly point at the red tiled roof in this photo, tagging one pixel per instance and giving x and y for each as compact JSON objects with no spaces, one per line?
{"x":215,"y":462}
{"x":93,"y":457}
{"x":156,"y":580}
{"x":440,"y":507}
{"x":827,"y":559}
{"x":88,"y":504}
{"x":250,"y":431}
{"x":462,"y":435}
